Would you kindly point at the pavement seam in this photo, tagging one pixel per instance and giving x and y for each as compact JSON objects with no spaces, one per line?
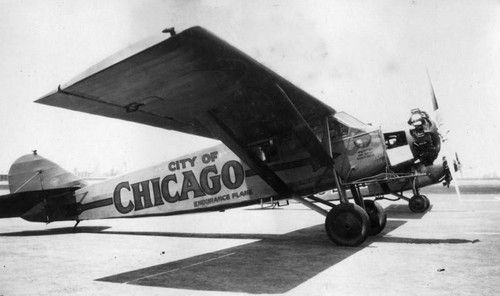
{"x":180,"y":268}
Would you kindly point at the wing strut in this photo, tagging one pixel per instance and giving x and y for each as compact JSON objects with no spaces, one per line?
{"x":343,"y":197}
{"x":222,"y":132}
{"x":304,"y":133}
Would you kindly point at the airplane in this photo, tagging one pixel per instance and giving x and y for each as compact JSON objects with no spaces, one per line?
{"x":278,"y":142}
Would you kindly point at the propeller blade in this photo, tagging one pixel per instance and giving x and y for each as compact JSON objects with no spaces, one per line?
{"x":435,"y":104}
{"x":440,"y":123}
{"x":437,"y":113}
{"x":456,"y":157}
{"x":457,"y":165}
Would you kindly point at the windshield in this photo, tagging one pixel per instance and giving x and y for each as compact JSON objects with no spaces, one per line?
{"x":349,"y":120}
{"x":343,"y":125}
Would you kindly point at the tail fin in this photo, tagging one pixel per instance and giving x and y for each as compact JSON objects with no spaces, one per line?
{"x":41,"y":191}
{"x":33,"y":172}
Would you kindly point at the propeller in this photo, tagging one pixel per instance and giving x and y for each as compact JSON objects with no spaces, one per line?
{"x":457,"y":165}
{"x":443,"y":133}
{"x":437,"y":113}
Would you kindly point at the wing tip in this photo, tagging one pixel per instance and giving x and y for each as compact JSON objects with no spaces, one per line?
{"x":43,"y":99}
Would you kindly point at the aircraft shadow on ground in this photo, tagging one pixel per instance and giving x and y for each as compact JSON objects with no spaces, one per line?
{"x":401,"y":211}
{"x":57,"y":231}
{"x":275,"y":264}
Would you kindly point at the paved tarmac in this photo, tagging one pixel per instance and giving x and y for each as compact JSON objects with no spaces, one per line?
{"x":451,"y":250}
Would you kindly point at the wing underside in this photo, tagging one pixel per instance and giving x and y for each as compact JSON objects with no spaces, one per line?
{"x":196,"y":83}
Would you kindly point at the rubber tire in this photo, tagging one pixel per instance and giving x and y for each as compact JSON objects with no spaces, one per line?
{"x":419,"y":204}
{"x":377,"y":215}
{"x":347,"y":225}
{"x":427,"y":202}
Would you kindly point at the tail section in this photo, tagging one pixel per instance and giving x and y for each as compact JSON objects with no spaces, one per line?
{"x":33,"y":172}
{"x":40,"y":191}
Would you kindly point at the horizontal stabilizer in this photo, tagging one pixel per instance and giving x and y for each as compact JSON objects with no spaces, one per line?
{"x":39,"y":205}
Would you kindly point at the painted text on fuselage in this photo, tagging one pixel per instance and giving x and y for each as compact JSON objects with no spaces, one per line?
{"x":180,"y":186}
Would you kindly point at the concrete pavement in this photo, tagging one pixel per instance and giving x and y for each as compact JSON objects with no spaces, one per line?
{"x":451,"y":250}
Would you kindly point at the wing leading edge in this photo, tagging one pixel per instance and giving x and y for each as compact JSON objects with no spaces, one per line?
{"x":196,"y":83}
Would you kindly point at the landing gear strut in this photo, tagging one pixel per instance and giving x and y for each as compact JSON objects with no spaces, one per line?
{"x":418,"y":203}
{"x":346,"y":224}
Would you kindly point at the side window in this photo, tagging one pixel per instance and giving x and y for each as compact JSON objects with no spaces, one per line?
{"x":337,"y":129}
{"x":267,"y":151}
{"x":395,"y":139}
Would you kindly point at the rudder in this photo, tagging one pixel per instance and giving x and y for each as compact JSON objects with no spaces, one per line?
{"x":33,"y":172}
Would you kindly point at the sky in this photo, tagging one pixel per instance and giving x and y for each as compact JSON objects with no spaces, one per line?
{"x":368,"y":58}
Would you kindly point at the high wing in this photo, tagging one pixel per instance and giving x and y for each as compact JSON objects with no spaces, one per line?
{"x":196,"y":83}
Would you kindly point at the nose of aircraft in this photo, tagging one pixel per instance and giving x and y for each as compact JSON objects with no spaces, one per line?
{"x":424,"y":139}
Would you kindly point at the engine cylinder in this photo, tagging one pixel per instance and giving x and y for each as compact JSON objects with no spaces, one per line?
{"x":424,"y":139}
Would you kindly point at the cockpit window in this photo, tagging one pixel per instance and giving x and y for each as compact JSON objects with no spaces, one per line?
{"x":344,"y":125}
{"x":341,"y":125}
{"x":349,"y":120}
{"x":337,"y":129}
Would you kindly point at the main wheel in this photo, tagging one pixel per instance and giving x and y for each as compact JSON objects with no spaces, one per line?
{"x":419,"y":203}
{"x":427,"y":202}
{"x":377,"y":215}
{"x":347,"y":225}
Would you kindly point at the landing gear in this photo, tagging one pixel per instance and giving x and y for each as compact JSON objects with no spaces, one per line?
{"x":350,"y":224}
{"x":419,"y":203}
{"x":377,"y":215}
{"x":347,"y":225}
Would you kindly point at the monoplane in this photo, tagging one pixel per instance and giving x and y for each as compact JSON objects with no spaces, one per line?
{"x":278,"y":142}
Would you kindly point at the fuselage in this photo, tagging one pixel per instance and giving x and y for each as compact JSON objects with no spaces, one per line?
{"x":216,"y":178}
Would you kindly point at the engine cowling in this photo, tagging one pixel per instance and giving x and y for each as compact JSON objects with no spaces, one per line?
{"x":423,"y":139}
{"x":420,"y":143}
